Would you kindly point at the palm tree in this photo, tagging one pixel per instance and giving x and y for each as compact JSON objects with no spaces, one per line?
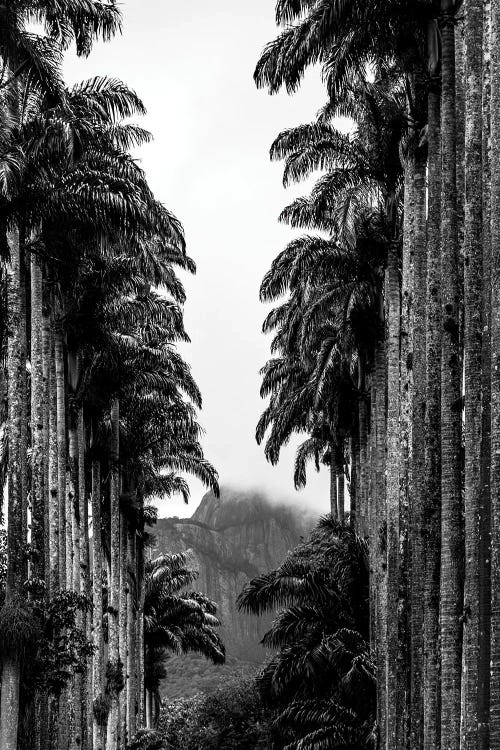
{"x":495,"y":380}
{"x":175,"y":620}
{"x":321,"y":681}
{"x":451,"y":532}
{"x":473,"y":252}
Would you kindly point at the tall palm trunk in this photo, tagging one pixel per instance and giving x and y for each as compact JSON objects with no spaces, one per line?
{"x":141,"y":594}
{"x":37,"y":425}
{"x":334,"y":508}
{"x":124,"y":645}
{"x":341,"y":496}
{"x":432,"y":510}
{"x":97,"y":602}
{"x":73,"y":518}
{"x":378,"y":534}
{"x":485,"y":530}
{"x":65,"y":703}
{"x":114,"y":584}
{"x":54,"y":534}
{"x":131,"y":641}
{"x":46,"y":440}
{"x":11,"y":665}
{"x":451,"y":531}
{"x":354,"y":493}
{"x":473,"y":251}
{"x":495,"y":377}
{"x":417,"y":465}
{"x":84,"y":578}
{"x":363,"y":511}
{"x":38,"y":464}
{"x":405,"y":452}
{"x":64,"y":579}
{"x":73,"y":499}
{"x":392,"y":502}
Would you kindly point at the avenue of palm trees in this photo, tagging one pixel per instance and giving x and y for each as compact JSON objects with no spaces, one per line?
{"x":385,"y":358}
{"x":97,"y":408}
{"x":387,"y":336}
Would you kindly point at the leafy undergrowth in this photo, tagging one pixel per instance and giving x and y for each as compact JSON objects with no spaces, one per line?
{"x":191,"y":674}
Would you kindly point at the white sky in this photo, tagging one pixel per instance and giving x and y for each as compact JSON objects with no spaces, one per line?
{"x":192,"y":62}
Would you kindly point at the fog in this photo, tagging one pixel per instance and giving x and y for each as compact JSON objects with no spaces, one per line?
{"x":192,"y":63}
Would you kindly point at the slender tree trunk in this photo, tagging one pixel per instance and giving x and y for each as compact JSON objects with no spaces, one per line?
{"x":379,"y":536}
{"x":334,"y":508}
{"x":485,"y":531}
{"x":24,"y":399}
{"x":54,"y":539}
{"x":451,"y":503}
{"x":432,"y":510}
{"x":392,"y":502}
{"x":45,"y":419}
{"x":473,"y":251}
{"x":98,"y":656}
{"x":38,"y":464}
{"x":37,"y":414}
{"x":141,"y":593}
{"x":124,"y":645}
{"x":73,"y":499}
{"x":131,"y":640}
{"x":9,"y":703}
{"x":405,"y":452}
{"x":85,"y":588}
{"x":64,"y":579}
{"x":73,"y":518}
{"x":495,"y":378}
{"x":114,"y":587}
{"x":417,"y":465}
{"x":363,"y":463}
{"x":341,"y":495}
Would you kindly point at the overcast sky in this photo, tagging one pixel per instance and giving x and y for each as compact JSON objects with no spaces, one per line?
{"x":192,"y":62}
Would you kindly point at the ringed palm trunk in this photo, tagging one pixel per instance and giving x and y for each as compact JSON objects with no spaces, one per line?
{"x":404,"y":669}
{"x":114,"y":587}
{"x":378,"y":535}
{"x":341,"y":496}
{"x":417,"y":466}
{"x":11,"y":665}
{"x":334,"y":509}
{"x":131,"y":641}
{"x":141,"y":594}
{"x":363,"y":463}
{"x":54,"y":536}
{"x":451,"y":531}
{"x":97,"y":602}
{"x":37,"y":422}
{"x":74,"y":519}
{"x":64,"y":579}
{"x":485,"y":529}
{"x":495,"y":378}
{"x":123,"y":638}
{"x":38,"y":493}
{"x":473,"y":266}
{"x":65,"y":702}
{"x":84,"y":579}
{"x":432,"y":510}
{"x":392,"y":502}
{"x":45,"y":409}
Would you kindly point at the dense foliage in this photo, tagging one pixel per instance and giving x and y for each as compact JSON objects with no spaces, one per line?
{"x":234,"y":717}
{"x":321,"y":682}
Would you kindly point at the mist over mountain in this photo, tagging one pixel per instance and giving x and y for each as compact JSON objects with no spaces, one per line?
{"x":233,"y":538}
